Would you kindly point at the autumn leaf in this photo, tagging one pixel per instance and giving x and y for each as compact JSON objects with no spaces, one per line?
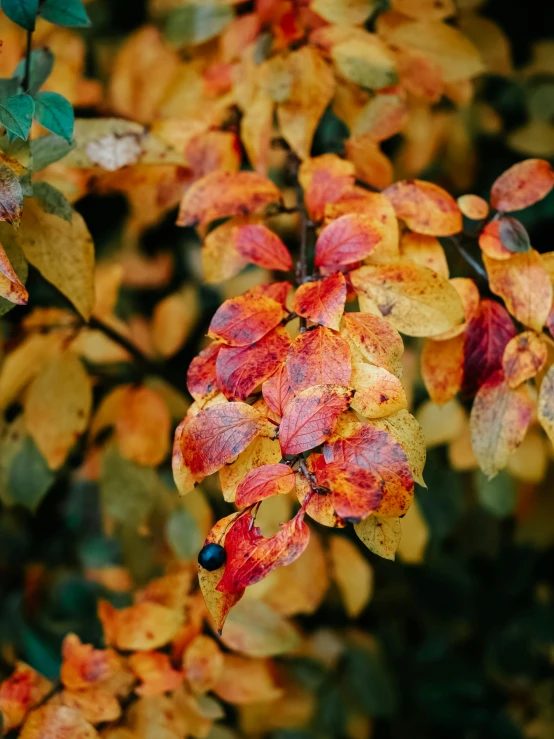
{"x":470,"y":297}
{"x":245,"y":681}
{"x":256,"y":127}
{"x":499,"y":419}
{"x":348,"y":239}
{"x":201,"y":374}
{"x":523,"y":283}
{"x":442,"y":368}
{"x":324,"y":179}
{"x":182,"y":475}
{"x":277,"y":391}
{"x":220,"y":194}
{"x":504,"y":237}
{"x":372,"y":165}
{"x":425,"y":207}
{"x":311,"y":416}
{"x":251,"y":557}
{"x":239,"y":370}
{"x":485,"y":340}
{"x":259,"y":245}
{"x":19,"y":693}
{"x":352,"y":573}
{"x":378,"y":392}
{"x":275,"y":290}
{"x":380,"y":535}
{"x":84,"y":666}
{"x":11,"y":287}
{"x":318,"y":357}
{"x":55,"y":720}
{"x":416,"y":300}
{"x":256,"y":629}
{"x":322,"y":301}
{"x":426,"y":251}
{"x":522,"y":185}
{"x":142,"y":626}
{"x":221,"y":259}
{"x":376,"y":339}
{"x":203,"y":663}
{"x":365,"y":60}
{"x":355,"y":491}
{"x":524,"y":356}
{"x":155,"y":673}
{"x":243,"y":320}
{"x":473,"y":207}
{"x":546,"y":404}
{"x":263,"y":482}
{"x":407,"y":431}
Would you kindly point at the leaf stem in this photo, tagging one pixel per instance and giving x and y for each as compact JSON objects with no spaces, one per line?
{"x":27,"y":73}
{"x":469,"y":259}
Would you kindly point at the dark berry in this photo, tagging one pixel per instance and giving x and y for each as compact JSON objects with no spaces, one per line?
{"x":212,"y":556}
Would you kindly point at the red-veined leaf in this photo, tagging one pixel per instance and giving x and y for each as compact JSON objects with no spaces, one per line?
{"x":243,"y":320}
{"x":425,"y":207}
{"x":275,"y":290}
{"x":277,"y":391}
{"x":524,"y":356}
{"x":376,"y":339}
{"x":325,"y":179}
{"x":322,"y":301}
{"x":346,"y":240}
{"x":217,"y":435}
{"x":241,"y":369}
{"x":318,"y":507}
{"x":356,"y":492}
{"x":259,"y":245}
{"x":263,"y":482}
{"x":522,"y":185}
{"x":318,"y":357}
{"x":310,"y":418}
{"x":201,"y":376}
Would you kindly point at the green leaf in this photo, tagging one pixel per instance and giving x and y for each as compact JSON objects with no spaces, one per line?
{"x":513,"y":235}
{"x":55,"y":113}
{"x":195,"y":23}
{"x":42,"y":63}
{"x":48,"y":149}
{"x":29,"y":478}
{"x":498,"y":496}
{"x":16,"y":115}
{"x":69,"y":13}
{"x":11,"y":196}
{"x":128,"y":490}
{"x":52,"y":200}
{"x":22,"y":12}
{"x":183,"y":535}
{"x":8,"y":87}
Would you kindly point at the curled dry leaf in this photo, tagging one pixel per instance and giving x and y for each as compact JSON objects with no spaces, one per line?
{"x":217,"y":435}
{"x":311,"y":416}
{"x":263,"y":482}
{"x":143,"y":626}
{"x":84,"y":666}
{"x":524,"y":356}
{"x":318,"y":357}
{"x":523,"y":283}
{"x":322,"y":301}
{"x":425,"y":207}
{"x":54,"y":721}
{"x":378,"y":392}
{"x":416,"y":300}
{"x":348,"y":239}
{"x":380,"y":535}
{"x":251,"y":557}
{"x":325,"y":179}
{"x":221,"y":194}
{"x":522,"y":185}
{"x":499,"y":420}
{"x":473,"y":207}
{"x":376,"y":339}
{"x":546,"y":404}
{"x":243,"y":320}
{"x":19,"y":693}
{"x":485,"y":340}
{"x":442,"y":368}
{"x":277,"y":391}
{"x":470,"y":297}
{"x":239,"y":370}
{"x":217,"y":602}
{"x":352,"y":573}
{"x":259,"y":245}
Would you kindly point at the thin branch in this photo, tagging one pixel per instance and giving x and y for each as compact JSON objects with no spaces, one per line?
{"x":27,"y":73}
{"x":469,"y":259}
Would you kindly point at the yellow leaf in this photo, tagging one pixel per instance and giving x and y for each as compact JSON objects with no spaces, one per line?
{"x":173,"y":320}
{"x":246,"y":681}
{"x":415,"y":535}
{"x":256,"y":630}
{"x":349,"y":12}
{"x":380,"y":535}
{"x":409,"y":434}
{"x":352,"y":573}
{"x":440,"y":424}
{"x":365,"y":60}
{"x":546,"y":404}
{"x":378,"y":392}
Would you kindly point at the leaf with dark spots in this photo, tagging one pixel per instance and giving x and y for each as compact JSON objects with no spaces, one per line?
{"x":263,"y":482}
{"x":322,"y":301}
{"x":318,"y":357}
{"x":243,"y":320}
{"x":201,"y":374}
{"x":277,"y":391}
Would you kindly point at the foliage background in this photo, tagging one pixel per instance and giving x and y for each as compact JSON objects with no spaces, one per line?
{"x":466,"y":628}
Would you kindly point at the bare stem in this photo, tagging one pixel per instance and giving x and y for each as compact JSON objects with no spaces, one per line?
{"x":27,"y":73}
{"x":469,"y":259}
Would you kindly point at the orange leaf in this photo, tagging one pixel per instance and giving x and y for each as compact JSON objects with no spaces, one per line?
{"x":522,"y":185}
{"x":486,"y":337}
{"x":52,"y":722}
{"x":241,"y":369}
{"x":203,"y":663}
{"x":96,"y":705}
{"x":524,"y":356}
{"x":263,"y":482}
{"x":503,"y":237}
{"x":218,"y":603}
{"x":277,"y":391}
{"x":11,"y":286}
{"x":324,"y":179}
{"x":424,"y":250}
{"x":243,"y":320}
{"x":275,"y":290}
{"x":318,"y":357}
{"x":523,"y":283}
{"x":216,"y":435}
{"x":425,"y":207}
{"x":372,"y":166}
{"x":311,"y":416}
{"x":346,"y":240}
{"x":182,"y":475}
{"x":257,"y":244}
{"x":378,"y":392}
{"x":19,"y":693}
{"x":319,"y":507}
{"x":220,"y":194}
{"x":155,"y":672}
{"x":251,"y":557}
{"x":470,"y":297}
{"x":143,"y":426}
{"x":355,"y":491}
{"x":442,"y":368}
{"x":246,"y":681}
{"x":546,"y":404}
{"x":473,"y":207}
{"x":376,"y":339}
{"x":379,"y":452}
{"x":322,"y":301}
{"x":201,"y":376}
{"x":140,"y":627}
{"x":220,"y":258}
{"x":83,"y":666}
{"x":498,"y":420}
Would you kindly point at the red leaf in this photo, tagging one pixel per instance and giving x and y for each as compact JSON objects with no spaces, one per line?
{"x":486,"y":337}
{"x":322,"y":301}
{"x":241,"y":369}
{"x":261,"y":246}
{"x":376,"y":339}
{"x":318,"y":507}
{"x":275,"y":290}
{"x":217,"y":435}
{"x":356,"y":492}
{"x":318,"y":357}
{"x":377,"y":451}
{"x":522,"y":185}
{"x":263,"y":482}
{"x":277,"y":391}
{"x":310,"y":418}
{"x":349,"y":239}
{"x":251,"y":557}
{"x":201,"y":377}
{"x":243,"y":320}
{"x":325,"y":179}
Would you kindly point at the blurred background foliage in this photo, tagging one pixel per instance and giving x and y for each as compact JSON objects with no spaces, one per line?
{"x":457,"y":640}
